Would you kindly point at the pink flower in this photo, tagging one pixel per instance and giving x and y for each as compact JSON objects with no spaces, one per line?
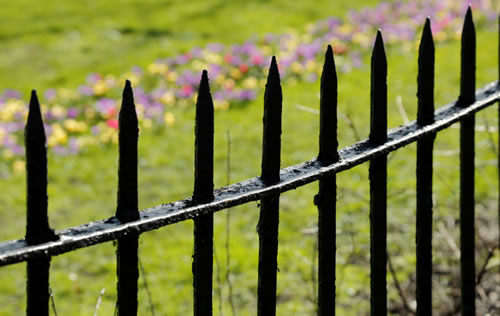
{"x":112,"y":123}
{"x":256,"y":60}
{"x":228,"y":58}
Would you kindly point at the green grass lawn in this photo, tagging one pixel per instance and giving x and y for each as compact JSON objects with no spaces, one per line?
{"x":59,"y":43}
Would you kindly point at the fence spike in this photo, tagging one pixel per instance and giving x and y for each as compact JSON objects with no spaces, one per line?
{"x":378,"y":120}
{"x":378,"y":181}
{"x":326,"y":198}
{"x":425,"y":146}
{"x":203,"y":192}
{"x":328,"y":143}
{"x":468,"y":62}
{"x":267,"y":227}
{"x":128,"y":135}
{"x":204,"y":142}
{"x":467,"y":233}
{"x":37,"y":222}
{"x":425,"y":80}
{"x":271,"y":145}
{"x":127,"y":207}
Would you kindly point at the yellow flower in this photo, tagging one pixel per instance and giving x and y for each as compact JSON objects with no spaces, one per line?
{"x":296,"y":67}
{"x":221,"y":104}
{"x":235,"y":73}
{"x":229,"y":84}
{"x":58,"y":111}
{"x":213,"y":58}
{"x":199,"y":65}
{"x":89,"y":113}
{"x":172,"y":76}
{"x":74,"y":126}
{"x":168,"y":98}
{"x":84,"y":141}
{"x":66,"y":94}
{"x":19,"y":166}
{"x":7,"y":153}
{"x":58,"y":135}
{"x":311,"y":65}
{"x":9,"y":110}
{"x":155,"y":68}
{"x":219,"y":79}
{"x":250,"y":83}
{"x":345,"y":28}
{"x":100,"y":87}
{"x":361,"y":39}
{"x":169,"y":119}
{"x":139,"y":109}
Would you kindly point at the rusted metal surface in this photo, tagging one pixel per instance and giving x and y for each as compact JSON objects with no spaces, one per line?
{"x":267,"y":227}
{"x":203,"y":192}
{"x":242,"y":192}
{"x":425,"y":116}
{"x":326,"y":198}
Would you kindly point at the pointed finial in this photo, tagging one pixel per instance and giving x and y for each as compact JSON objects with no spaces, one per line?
{"x":273,"y":77}
{"x":34,"y":106}
{"x":271,"y":145}
{"x":128,"y":135}
{"x":204,"y":143}
{"x":204,"y":86}
{"x":378,"y":54}
{"x":34,"y":131}
{"x":427,"y":26}
{"x":468,"y":22}
{"x":128,"y":94}
{"x":425,"y":78}
{"x":468,"y":61}
{"x":328,"y":111}
{"x":378,"y":92}
{"x":379,"y":40}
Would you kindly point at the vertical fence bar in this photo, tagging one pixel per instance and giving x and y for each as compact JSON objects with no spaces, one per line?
{"x":498,"y":153}
{"x":326,"y":198}
{"x":37,"y":222}
{"x":378,"y":181}
{"x":269,"y":206}
{"x":467,"y":97}
{"x":424,"y":172}
{"x":203,"y":192}
{"x":127,"y":209}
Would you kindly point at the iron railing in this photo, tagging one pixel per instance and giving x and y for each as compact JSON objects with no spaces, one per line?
{"x":41,"y":243}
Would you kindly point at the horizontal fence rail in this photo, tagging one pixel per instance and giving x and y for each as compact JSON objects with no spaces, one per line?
{"x":245,"y":191}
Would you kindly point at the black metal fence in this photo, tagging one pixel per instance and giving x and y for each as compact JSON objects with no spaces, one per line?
{"x":41,"y":242}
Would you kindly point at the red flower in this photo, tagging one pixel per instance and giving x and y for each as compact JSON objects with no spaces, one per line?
{"x":244,"y":68}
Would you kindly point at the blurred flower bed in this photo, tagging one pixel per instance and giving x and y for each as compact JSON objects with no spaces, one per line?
{"x":88,"y":115}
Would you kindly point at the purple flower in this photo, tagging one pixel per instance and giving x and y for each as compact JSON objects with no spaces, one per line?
{"x":11,"y":94}
{"x":73,"y":112}
{"x":93,"y":78}
{"x":105,"y":105}
{"x":85,"y":90}
{"x":50,"y":94}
